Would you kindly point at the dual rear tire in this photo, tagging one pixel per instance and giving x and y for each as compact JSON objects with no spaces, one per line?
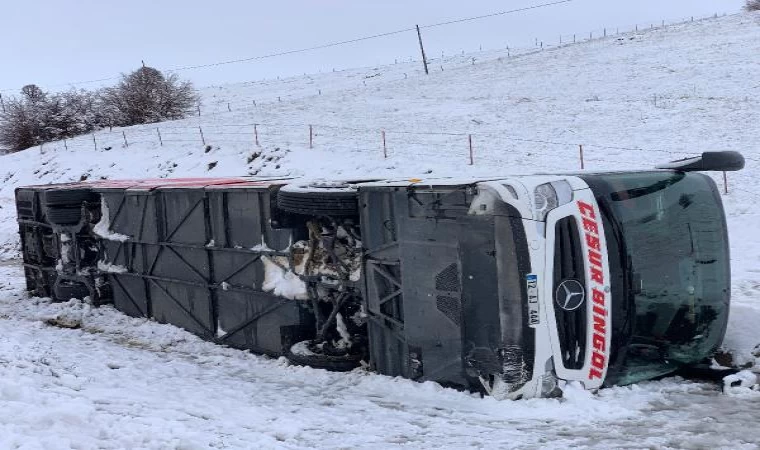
{"x":319,"y":199}
{"x":339,"y":200}
{"x":65,"y":290}
{"x":64,"y":206}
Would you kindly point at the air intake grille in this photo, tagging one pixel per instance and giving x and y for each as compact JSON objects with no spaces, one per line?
{"x":448,"y":279}
{"x":569,"y":267}
{"x":448,"y":300}
{"x":450,"y":307}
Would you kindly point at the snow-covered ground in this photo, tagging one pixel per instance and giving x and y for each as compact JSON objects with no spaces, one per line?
{"x":631,"y":100}
{"x":118,"y":382}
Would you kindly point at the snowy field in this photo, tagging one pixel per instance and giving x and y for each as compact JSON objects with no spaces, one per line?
{"x":119,"y":382}
{"x":632,"y":101}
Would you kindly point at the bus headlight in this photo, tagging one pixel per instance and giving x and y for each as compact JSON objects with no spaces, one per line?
{"x":549,"y":196}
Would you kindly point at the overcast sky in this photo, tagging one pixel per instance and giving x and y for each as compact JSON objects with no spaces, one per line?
{"x":54,"y":42}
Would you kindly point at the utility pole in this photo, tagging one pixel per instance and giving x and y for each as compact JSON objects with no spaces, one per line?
{"x":422,"y":49}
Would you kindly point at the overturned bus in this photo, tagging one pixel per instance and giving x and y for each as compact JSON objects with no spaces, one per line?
{"x":509,"y":286}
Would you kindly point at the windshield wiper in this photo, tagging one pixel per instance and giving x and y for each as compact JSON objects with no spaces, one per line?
{"x":646,"y":190}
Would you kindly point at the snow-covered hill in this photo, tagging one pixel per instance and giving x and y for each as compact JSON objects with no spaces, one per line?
{"x":631,"y":101}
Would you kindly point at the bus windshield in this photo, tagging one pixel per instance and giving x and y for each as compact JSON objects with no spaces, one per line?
{"x":670,"y":270}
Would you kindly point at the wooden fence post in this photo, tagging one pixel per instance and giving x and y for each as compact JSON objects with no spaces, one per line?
{"x":203,"y":139}
{"x":725,"y":183}
{"x":160,"y":140}
{"x":469,"y":139}
{"x":311,"y":136}
{"x":385,"y":148}
{"x":580,"y":149}
{"x":126,"y":144}
{"x":65,"y":145}
{"x":94,"y":142}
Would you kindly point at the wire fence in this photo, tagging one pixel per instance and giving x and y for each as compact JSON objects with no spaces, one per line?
{"x":485,"y":149}
{"x":444,"y":62}
{"x":372,"y":76}
{"x":481,"y":147}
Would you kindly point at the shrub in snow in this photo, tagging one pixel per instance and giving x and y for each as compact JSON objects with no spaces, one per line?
{"x":21,"y":121}
{"x":147,"y":96}
{"x":752,"y":5}
{"x":37,"y":117}
{"x":71,"y":114}
{"x":144,"y":96}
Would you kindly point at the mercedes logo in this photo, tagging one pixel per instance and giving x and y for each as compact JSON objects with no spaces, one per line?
{"x":570,"y":295}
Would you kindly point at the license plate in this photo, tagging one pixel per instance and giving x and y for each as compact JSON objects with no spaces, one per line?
{"x":533,"y":306}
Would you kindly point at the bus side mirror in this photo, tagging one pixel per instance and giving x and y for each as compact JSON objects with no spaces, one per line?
{"x":709,"y":161}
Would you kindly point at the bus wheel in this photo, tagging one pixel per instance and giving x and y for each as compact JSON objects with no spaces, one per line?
{"x":307,"y":353}
{"x":332,"y":199}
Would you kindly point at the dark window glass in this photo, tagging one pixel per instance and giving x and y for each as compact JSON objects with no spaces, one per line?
{"x":669,"y":232}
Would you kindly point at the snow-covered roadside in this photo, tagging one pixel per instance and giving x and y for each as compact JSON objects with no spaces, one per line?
{"x":119,"y":382}
{"x":742,"y":337}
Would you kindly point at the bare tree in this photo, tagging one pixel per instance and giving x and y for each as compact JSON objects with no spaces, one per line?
{"x":144,"y":96}
{"x":147,"y":96}
{"x":22,"y":123}
{"x":33,"y":93}
{"x":17,"y":131}
{"x":37,"y":117}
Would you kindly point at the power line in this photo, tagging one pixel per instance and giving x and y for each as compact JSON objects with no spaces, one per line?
{"x":511,"y":11}
{"x":291,"y":52}
{"x":320,"y":47}
{"x":366,"y":38}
